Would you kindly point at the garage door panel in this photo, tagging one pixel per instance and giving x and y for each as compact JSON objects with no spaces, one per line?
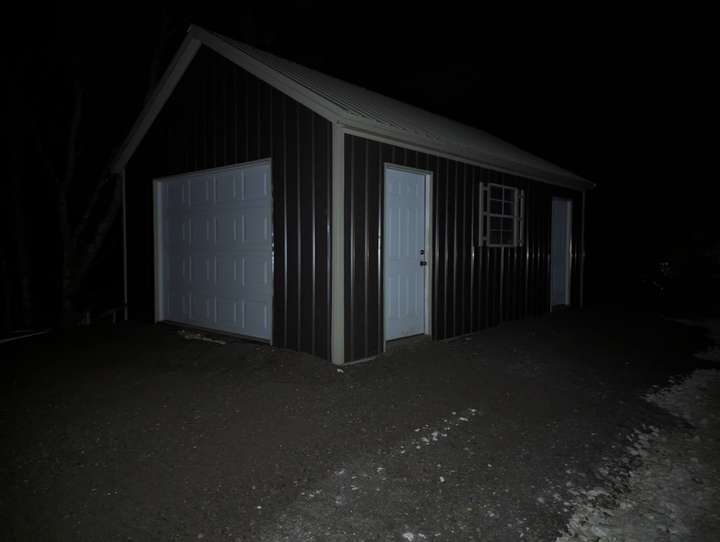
{"x":217,"y":249}
{"x":175,"y":230}
{"x":255,"y":184}
{"x":254,"y":317}
{"x":176,"y":195}
{"x":201,"y":232}
{"x":177,"y":274}
{"x":201,"y":308}
{"x":226,"y":272}
{"x":255,"y":273}
{"x":226,"y":312}
{"x":225,"y":230}
{"x":202,"y":272}
{"x":226,"y":187}
{"x":177,"y":307}
{"x":200,"y":190}
{"x":255,"y":227}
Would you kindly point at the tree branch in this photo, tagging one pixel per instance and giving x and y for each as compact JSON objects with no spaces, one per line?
{"x":84,"y":222}
{"x":93,"y":248}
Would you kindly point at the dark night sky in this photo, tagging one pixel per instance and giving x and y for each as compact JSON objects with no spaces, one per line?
{"x":614,"y":95}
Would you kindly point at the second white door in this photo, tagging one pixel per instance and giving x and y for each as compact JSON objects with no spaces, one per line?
{"x":405,"y":253}
{"x":560,"y":252}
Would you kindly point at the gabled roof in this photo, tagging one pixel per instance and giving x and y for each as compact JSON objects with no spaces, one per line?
{"x":359,"y":110}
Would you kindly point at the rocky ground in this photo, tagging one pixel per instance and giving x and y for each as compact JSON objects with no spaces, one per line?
{"x":568,"y":425}
{"x":666,"y":486}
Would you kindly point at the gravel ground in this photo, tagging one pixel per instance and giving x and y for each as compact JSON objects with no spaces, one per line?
{"x":136,"y":433}
{"x":667,"y":485}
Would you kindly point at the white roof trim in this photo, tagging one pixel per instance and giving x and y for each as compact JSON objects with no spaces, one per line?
{"x":520,"y":171}
{"x":155,"y":103}
{"x":273,"y":78}
{"x":361,"y":111}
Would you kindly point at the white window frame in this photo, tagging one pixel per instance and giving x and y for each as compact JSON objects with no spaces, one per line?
{"x":518,"y":215}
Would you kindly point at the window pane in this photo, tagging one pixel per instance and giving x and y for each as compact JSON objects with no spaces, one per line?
{"x":495,"y":237}
{"x":507,"y":224}
{"x":496,"y":223}
{"x":509,"y":194}
{"x":496,"y":192}
{"x":496,"y":207}
{"x":508,"y":208}
{"x":508,"y":238}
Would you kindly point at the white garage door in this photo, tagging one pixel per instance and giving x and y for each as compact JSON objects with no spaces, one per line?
{"x":214,"y":249}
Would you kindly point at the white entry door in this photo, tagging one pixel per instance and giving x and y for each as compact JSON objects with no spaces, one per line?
{"x":214,"y":249}
{"x":405,"y":258}
{"x":560,"y":252}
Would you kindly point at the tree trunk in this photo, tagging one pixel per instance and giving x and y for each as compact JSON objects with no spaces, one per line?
{"x":68,"y":313}
{"x":24,"y":269}
{"x":6,"y":293}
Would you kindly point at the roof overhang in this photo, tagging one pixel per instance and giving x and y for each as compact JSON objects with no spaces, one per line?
{"x":367,"y":128}
{"x":179,"y":63}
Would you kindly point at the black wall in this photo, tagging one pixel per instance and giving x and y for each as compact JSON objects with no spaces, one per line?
{"x":473,"y":287}
{"x":219,"y":115}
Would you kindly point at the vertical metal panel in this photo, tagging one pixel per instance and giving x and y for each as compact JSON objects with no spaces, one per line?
{"x":373,"y":218}
{"x":350,"y":256}
{"x":473,"y":286}
{"x":220,"y":115}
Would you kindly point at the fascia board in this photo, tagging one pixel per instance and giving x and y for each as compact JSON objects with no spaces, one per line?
{"x":371,"y":130}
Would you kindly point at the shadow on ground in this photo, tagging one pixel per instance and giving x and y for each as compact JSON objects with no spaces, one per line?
{"x":133,"y":433}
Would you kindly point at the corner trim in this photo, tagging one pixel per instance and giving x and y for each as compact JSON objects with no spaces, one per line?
{"x":337,"y":234}
{"x":157,"y":250}
{"x":581,"y":278}
{"x":124,"y":245}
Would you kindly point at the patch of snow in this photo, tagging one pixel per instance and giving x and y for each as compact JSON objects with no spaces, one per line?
{"x":429,"y":435}
{"x":357,"y":485}
{"x":673,"y":488}
{"x":711,"y":354}
{"x":196,"y":336}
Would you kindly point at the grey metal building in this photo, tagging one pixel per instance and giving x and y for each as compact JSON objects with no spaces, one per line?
{"x":271,"y":201}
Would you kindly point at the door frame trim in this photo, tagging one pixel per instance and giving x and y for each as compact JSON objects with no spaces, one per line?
{"x":158,"y":263}
{"x":428,"y":175}
{"x":158,"y":260}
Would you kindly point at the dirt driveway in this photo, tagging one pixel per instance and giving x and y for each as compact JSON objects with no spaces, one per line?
{"x":134,"y":433}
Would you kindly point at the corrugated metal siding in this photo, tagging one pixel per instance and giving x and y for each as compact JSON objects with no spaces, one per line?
{"x":219,"y":115}
{"x":368,"y":110}
{"x":473,"y":287}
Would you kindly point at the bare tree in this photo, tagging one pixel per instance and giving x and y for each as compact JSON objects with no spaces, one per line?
{"x":85,"y":208}
{"x":83,"y":239}
{"x":16,"y":264}
{"x":22,"y":251}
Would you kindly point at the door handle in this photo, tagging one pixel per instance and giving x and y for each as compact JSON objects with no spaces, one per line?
{"x":423,"y":263}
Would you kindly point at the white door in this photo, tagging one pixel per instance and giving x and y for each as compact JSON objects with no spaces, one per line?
{"x":404,"y":253}
{"x":560,"y":252}
{"x":215,"y":255}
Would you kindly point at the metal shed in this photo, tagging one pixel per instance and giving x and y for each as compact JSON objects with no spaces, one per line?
{"x":298,"y":209}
